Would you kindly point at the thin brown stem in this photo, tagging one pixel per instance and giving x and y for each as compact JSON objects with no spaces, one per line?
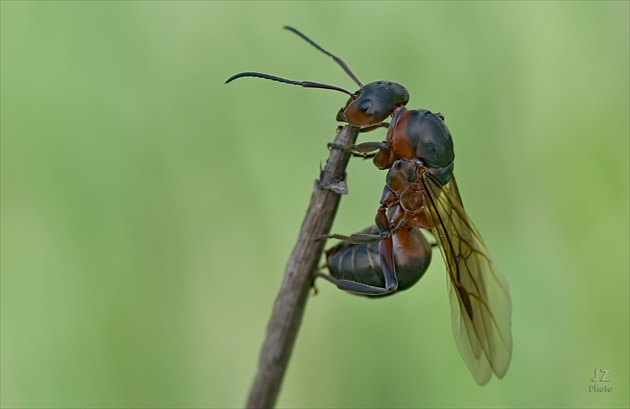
{"x":288,"y":309}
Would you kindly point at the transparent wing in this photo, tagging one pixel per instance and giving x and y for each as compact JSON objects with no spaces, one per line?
{"x":481,"y":308}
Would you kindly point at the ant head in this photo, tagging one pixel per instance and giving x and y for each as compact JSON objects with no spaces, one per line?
{"x":373,"y":103}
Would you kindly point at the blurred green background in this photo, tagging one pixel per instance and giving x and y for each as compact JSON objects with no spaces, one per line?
{"x":148,"y":210}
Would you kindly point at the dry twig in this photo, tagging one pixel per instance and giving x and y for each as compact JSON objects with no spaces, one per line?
{"x":291,"y":300}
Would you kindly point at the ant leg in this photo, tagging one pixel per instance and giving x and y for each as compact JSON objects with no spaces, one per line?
{"x":386,"y":250}
{"x":365,"y":149}
{"x":354,"y":287}
{"x":364,"y":289}
{"x":389,"y":274}
{"x":326,"y":277}
{"x":375,"y":126}
{"x":357,"y":238}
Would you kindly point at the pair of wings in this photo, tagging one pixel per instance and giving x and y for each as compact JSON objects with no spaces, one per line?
{"x":481,"y":307}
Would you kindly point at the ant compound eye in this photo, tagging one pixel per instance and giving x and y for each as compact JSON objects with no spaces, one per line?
{"x":365,"y":105}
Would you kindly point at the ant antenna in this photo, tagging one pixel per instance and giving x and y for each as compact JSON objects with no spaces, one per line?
{"x":334,"y":57}
{"x":305,"y":84}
